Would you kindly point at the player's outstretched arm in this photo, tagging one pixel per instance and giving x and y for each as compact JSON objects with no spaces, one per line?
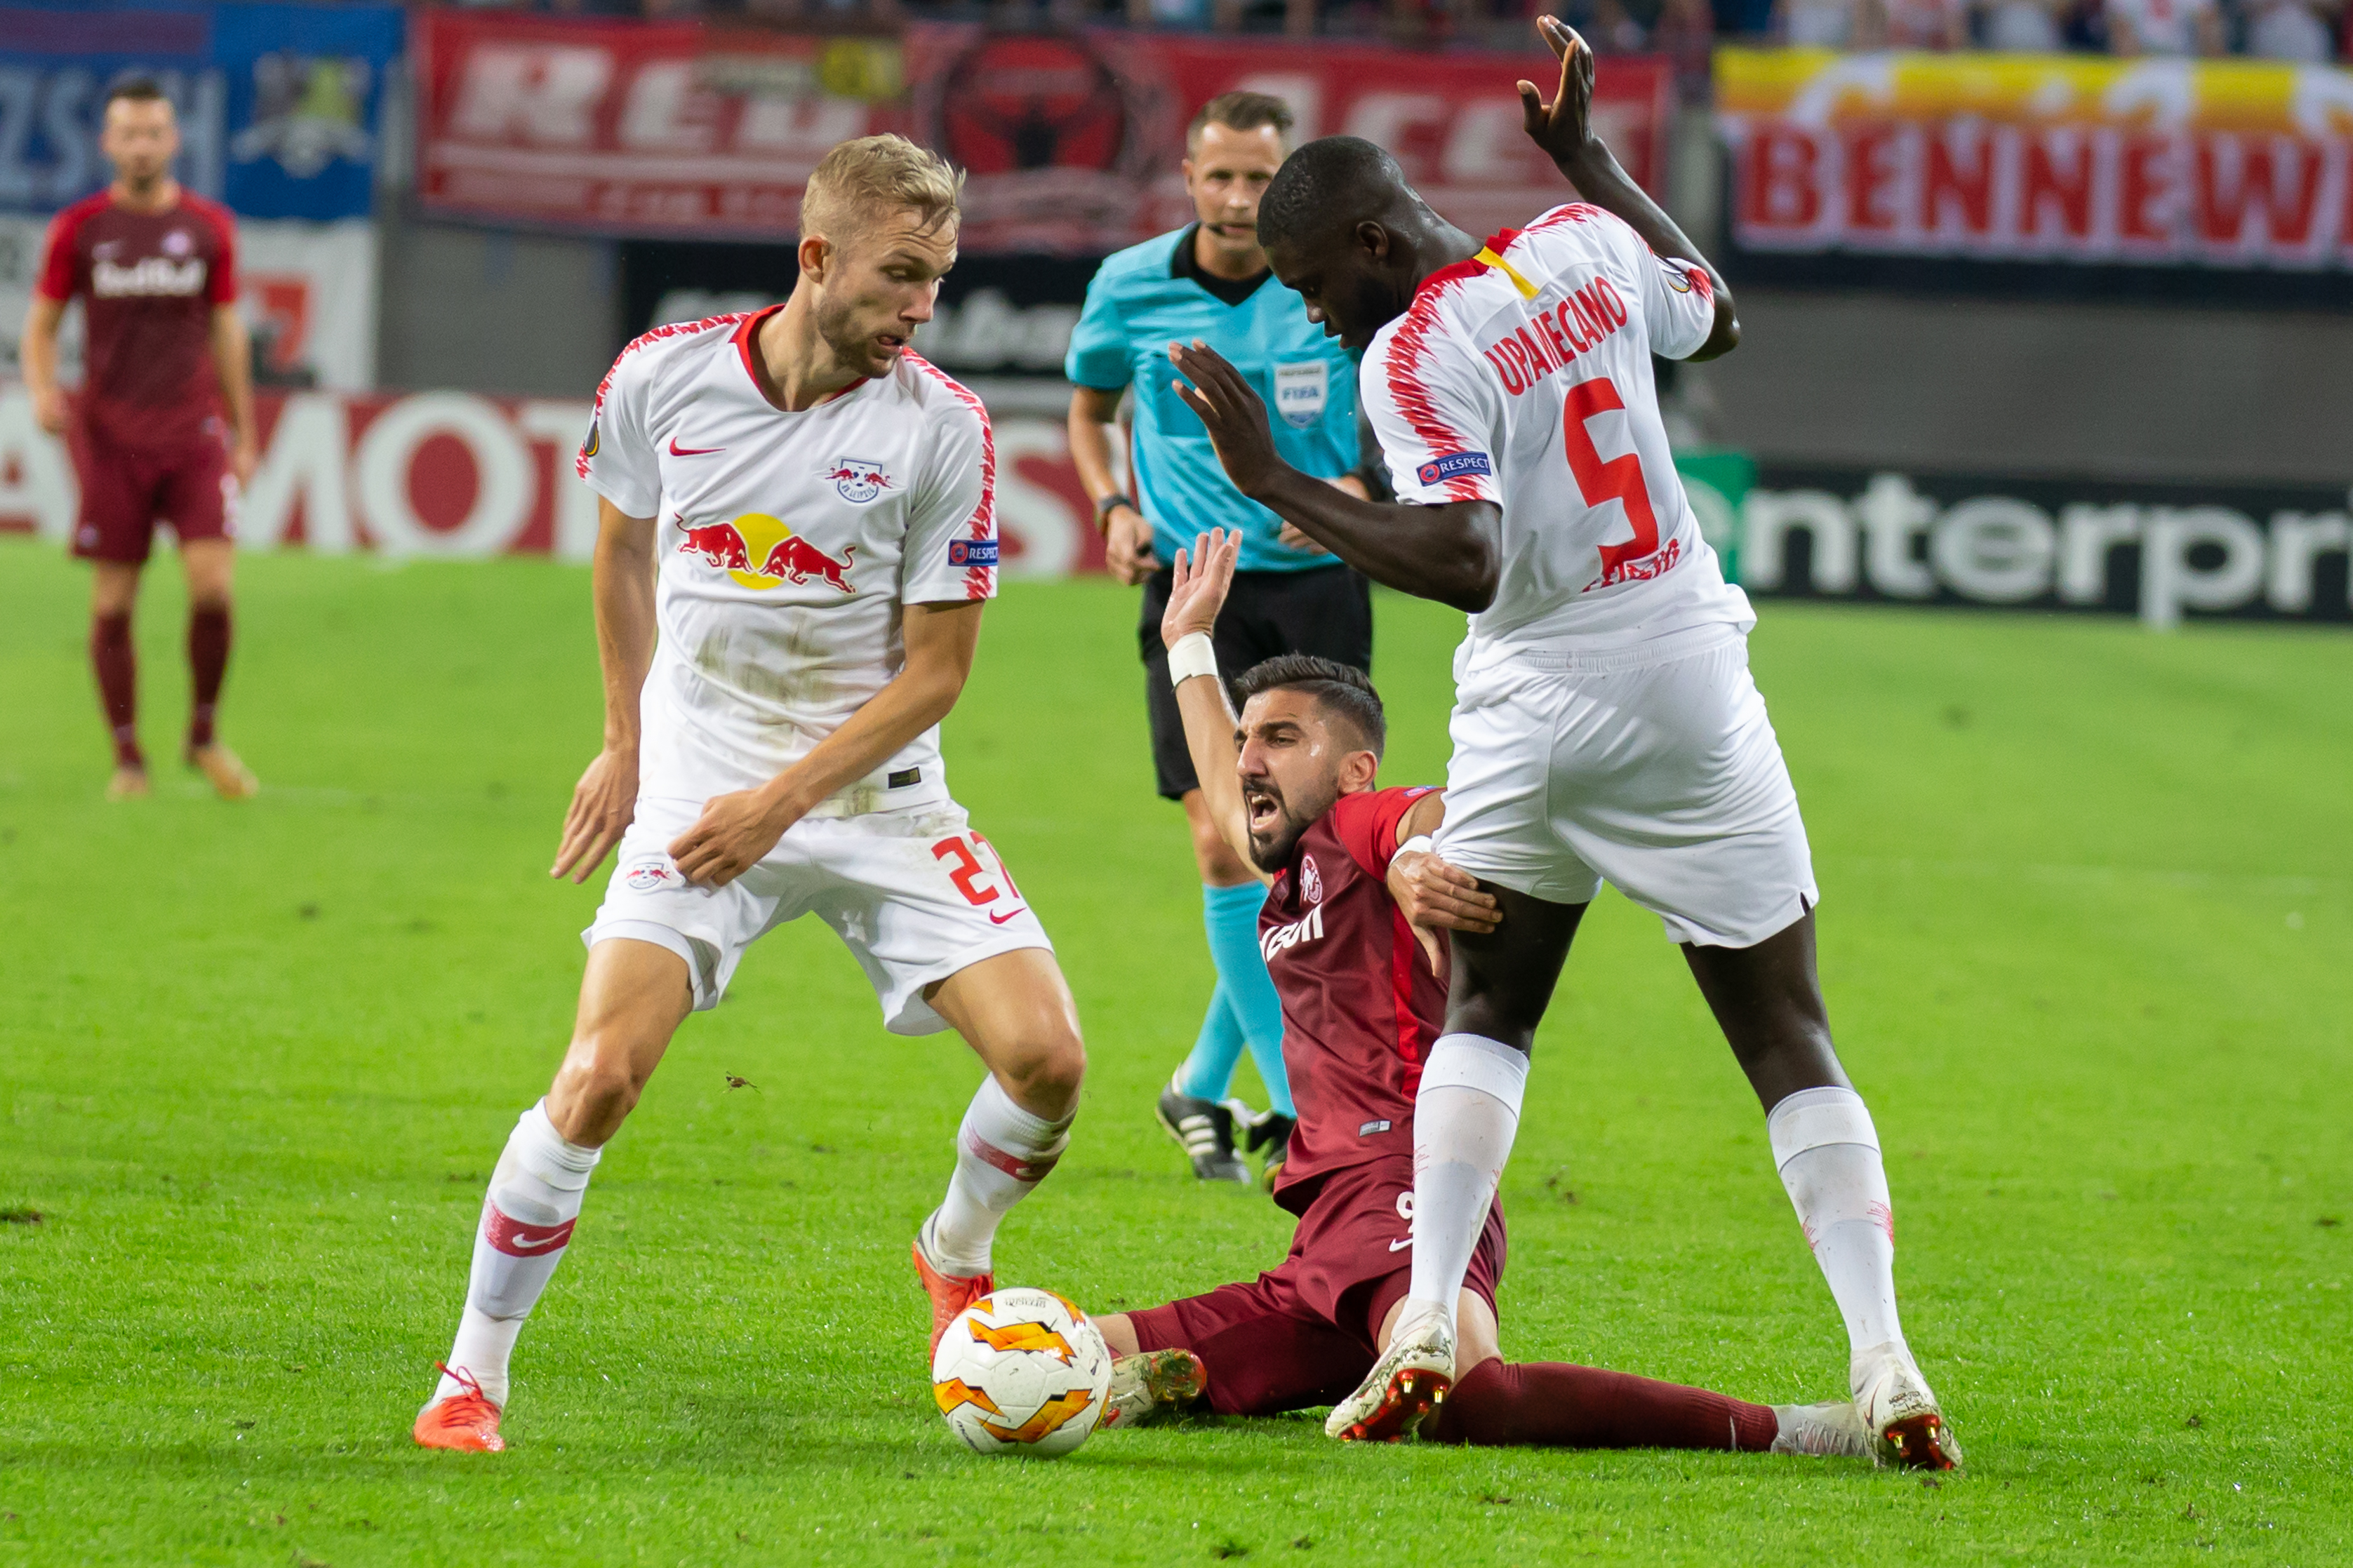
{"x":606,"y":799}
{"x":736,"y":830}
{"x":1204,"y":575}
{"x":1563,"y":129}
{"x":1449,"y":552}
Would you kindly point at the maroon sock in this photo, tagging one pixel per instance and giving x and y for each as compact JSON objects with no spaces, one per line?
{"x":207,"y":662}
{"x":117,"y":663}
{"x":1554,"y":1405}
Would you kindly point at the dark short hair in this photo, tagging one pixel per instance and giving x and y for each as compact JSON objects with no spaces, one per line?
{"x":1331,"y":184}
{"x":1241,"y":111}
{"x":134,"y":90}
{"x":1338,"y":689}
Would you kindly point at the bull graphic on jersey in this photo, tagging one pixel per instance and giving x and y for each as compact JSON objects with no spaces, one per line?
{"x":858,"y":479}
{"x":761,"y":552}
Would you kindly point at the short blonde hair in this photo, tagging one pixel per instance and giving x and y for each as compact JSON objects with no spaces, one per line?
{"x":863,"y":179}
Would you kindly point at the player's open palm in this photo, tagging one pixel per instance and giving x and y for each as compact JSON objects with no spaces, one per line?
{"x":1562,"y":127}
{"x":1434,"y":896}
{"x":604,"y":803}
{"x":1197,"y":589}
{"x":1233,"y":411}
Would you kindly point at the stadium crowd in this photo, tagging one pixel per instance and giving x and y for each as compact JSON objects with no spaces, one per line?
{"x":2309,"y":31}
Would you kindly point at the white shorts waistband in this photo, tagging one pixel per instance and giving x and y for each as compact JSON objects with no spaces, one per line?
{"x":1643,"y":655}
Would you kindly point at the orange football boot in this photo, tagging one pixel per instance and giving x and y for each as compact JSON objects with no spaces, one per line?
{"x":467,"y":1422}
{"x":950,"y":1293}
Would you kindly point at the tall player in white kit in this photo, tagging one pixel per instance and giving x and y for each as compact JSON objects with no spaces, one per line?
{"x":1605,"y":726}
{"x":797,"y":538}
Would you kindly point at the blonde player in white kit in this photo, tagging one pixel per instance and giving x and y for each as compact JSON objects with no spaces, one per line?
{"x":1605,"y":724}
{"x":797,"y":537}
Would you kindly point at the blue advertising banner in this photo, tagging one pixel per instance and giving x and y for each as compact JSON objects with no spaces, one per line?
{"x":280,"y":106}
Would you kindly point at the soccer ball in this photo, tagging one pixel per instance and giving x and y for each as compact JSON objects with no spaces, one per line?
{"x":1021,"y":1372}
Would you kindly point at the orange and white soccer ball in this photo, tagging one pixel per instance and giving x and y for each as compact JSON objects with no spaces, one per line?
{"x":1021,"y":1372}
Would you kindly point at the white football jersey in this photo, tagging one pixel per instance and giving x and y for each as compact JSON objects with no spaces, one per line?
{"x":787,"y":543}
{"x":1522,"y":377}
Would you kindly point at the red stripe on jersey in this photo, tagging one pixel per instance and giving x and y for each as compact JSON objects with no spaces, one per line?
{"x":1567,"y":212}
{"x":667,"y":330}
{"x":977,"y":580}
{"x":1405,"y":388}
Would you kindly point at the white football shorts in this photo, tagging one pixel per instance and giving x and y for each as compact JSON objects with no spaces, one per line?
{"x":1652,"y":768}
{"x":915,"y":895}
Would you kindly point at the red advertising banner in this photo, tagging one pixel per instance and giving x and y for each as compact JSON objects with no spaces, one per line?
{"x":2145,"y":161}
{"x":1073,"y":138}
{"x":641,"y":127}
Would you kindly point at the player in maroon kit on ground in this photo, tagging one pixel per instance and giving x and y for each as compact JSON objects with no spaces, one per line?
{"x":1354,"y":892}
{"x":168,"y":358}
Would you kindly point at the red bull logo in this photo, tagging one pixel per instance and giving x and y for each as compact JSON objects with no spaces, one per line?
{"x":858,"y":479}
{"x":760,"y":552}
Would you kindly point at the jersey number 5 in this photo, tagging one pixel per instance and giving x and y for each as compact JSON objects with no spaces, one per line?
{"x":1615,"y":478}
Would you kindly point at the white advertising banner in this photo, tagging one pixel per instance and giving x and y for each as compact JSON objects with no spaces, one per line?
{"x":454,"y":475}
{"x":306,"y":289}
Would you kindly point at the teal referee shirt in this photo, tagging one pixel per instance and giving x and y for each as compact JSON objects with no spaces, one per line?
{"x":1150,"y":295}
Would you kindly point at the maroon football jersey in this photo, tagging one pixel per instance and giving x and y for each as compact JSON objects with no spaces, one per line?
{"x":148,"y":282}
{"x":1360,"y":1006}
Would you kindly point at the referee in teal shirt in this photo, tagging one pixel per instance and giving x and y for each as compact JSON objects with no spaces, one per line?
{"x":1210,"y":281}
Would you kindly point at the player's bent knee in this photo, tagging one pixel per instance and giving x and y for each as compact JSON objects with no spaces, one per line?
{"x":597,"y":1088}
{"x":1045,"y":1074}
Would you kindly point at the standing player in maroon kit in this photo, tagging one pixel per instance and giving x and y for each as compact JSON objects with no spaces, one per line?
{"x":155,"y":268}
{"x":1291,"y":784}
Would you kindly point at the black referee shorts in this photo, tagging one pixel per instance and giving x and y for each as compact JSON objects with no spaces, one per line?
{"x":1324,"y":610}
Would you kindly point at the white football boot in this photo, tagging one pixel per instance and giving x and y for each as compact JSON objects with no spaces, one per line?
{"x":1830,"y":1430}
{"x":1894,"y":1400}
{"x":1151,"y":1385}
{"x":1411,"y":1379}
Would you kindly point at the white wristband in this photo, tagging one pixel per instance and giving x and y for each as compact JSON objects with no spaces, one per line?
{"x":1419,"y":844}
{"x":1193,"y":655}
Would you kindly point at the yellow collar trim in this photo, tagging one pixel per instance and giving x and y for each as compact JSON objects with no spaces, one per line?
{"x":1527,"y":289}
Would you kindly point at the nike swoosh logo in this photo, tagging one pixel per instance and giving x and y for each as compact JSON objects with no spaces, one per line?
{"x":1000,"y":920}
{"x":678,"y":451}
{"x":519,"y":1239}
{"x":1400,"y":1246}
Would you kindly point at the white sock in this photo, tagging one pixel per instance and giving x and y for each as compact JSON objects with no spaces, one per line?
{"x":1002,"y":1153}
{"x":1464,"y":1120}
{"x":1828,"y":1154}
{"x":526,"y":1225}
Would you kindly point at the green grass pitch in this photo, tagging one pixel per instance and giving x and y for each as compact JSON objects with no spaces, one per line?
{"x":2087,"y":937}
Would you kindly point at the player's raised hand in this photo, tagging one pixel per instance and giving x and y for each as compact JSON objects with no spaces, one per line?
{"x":1564,"y":127}
{"x":1435,"y":897}
{"x":1203,"y":576}
{"x":604,"y":803}
{"x":1233,"y":411}
{"x":734,"y":834}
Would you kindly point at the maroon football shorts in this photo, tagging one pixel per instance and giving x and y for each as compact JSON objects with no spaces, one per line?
{"x":1305,"y":1334}
{"x":126,"y":489}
